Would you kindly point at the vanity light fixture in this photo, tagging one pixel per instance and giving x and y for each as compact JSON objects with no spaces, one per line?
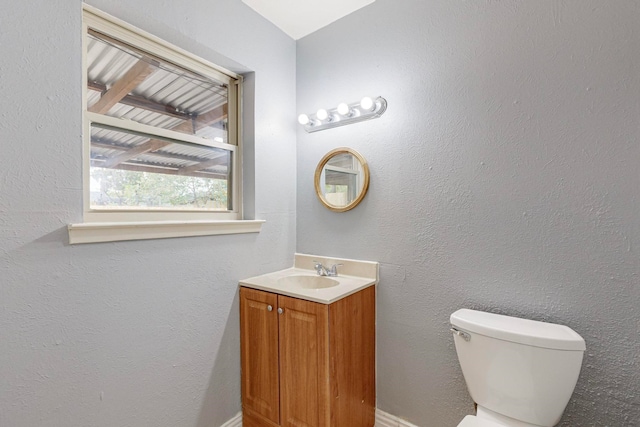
{"x":303,"y":119}
{"x":367,"y":104}
{"x":344,"y":109}
{"x":322,"y":114}
{"x":345,"y":114}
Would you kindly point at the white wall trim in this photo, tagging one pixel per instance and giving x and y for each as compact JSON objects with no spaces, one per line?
{"x":93,"y":232}
{"x":382,"y":420}
{"x":387,"y":420}
{"x":234,"y":422}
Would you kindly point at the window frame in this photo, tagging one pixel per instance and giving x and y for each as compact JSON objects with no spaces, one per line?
{"x":211,"y":222}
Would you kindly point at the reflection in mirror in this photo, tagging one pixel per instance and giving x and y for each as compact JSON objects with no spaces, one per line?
{"x":342,"y":179}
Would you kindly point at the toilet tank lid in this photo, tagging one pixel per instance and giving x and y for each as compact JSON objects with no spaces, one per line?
{"x":515,"y":329}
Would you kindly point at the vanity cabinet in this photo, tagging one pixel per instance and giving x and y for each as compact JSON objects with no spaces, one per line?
{"x":307,"y":364}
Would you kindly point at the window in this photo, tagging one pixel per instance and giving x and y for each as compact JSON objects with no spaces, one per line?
{"x":343,"y":179}
{"x":161,"y":133}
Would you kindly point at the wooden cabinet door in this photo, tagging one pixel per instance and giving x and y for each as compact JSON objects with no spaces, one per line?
{"x":259,"y":354}
{"x":304,"y":363}
{"x":352,"y":343}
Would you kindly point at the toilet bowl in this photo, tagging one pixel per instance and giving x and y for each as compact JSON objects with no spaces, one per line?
{"x":520,"y":372}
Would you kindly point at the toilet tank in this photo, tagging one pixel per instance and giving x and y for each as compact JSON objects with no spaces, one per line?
{"x":518,"y":368}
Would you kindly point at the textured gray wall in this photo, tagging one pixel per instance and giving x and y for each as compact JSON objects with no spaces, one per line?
{"x":131,"y":333}
{"x":505,"y":177}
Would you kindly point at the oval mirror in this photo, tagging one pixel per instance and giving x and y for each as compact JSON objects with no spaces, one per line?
{"x":342,"y":179}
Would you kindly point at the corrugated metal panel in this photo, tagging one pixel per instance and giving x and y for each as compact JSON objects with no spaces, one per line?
{"x":105,"y":63}
{"x":167,"y":85}
{"x":173,"y":155}
{"x":153,"y":158}
{"x":116,"y":137}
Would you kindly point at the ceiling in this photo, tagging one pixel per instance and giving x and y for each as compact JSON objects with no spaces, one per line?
{"x":123,"y":83}
{"x":299,"y":18}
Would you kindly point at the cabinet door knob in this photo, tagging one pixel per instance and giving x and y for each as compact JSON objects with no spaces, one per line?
{"x":280,"y":311}
{"x":269,"y":308}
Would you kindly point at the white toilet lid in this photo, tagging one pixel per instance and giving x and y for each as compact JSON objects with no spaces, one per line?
{"x":471,"y":421}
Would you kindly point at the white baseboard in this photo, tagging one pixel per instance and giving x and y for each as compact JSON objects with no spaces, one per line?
{"x":382,"y":420}
{"x":234,"y":422}
{"x":387,"y":420}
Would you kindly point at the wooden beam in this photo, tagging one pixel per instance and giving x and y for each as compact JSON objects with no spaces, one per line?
{"x":151,"y":145}
{"x":207,"y":119}
{"x":220,"y":160}
{"x":175,"y":156}
{"x":211,"y":117}
{"x":189,"y":127}
{"x":142,"y":102}
{"x":184,"y":127}
{"x":121,"y":88}
{"x":145,"y":147}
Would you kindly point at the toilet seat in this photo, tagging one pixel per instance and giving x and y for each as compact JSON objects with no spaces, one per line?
{"x":473,"y":421}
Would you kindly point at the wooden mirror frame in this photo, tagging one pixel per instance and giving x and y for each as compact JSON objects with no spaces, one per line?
{"x":318,"y":174}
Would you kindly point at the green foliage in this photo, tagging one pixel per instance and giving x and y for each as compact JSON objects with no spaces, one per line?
{"x":155,"y":190}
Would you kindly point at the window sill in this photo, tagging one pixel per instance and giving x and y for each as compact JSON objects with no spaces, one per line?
{"x":94,"y":232}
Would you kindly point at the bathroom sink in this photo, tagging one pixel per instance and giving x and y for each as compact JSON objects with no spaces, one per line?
{"x":308,"y":282}
{"x":302,"y":281}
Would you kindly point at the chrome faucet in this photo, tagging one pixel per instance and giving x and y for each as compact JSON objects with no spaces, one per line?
{"x":323,"y":271}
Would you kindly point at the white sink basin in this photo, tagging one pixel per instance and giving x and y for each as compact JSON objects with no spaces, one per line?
{"x":308,"y":282}
{"x":301,"y":281}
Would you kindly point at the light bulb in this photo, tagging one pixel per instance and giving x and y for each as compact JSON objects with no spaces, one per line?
{"x":322,"y":114}
{"x":343,"y":109}
{"x":366,"y":103}
{"x":303,"y":119}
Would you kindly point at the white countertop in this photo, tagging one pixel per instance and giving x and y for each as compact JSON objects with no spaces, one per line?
{"x":348,"y":284}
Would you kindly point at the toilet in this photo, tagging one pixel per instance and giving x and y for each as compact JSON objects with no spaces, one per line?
{"x":519,"y":372}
